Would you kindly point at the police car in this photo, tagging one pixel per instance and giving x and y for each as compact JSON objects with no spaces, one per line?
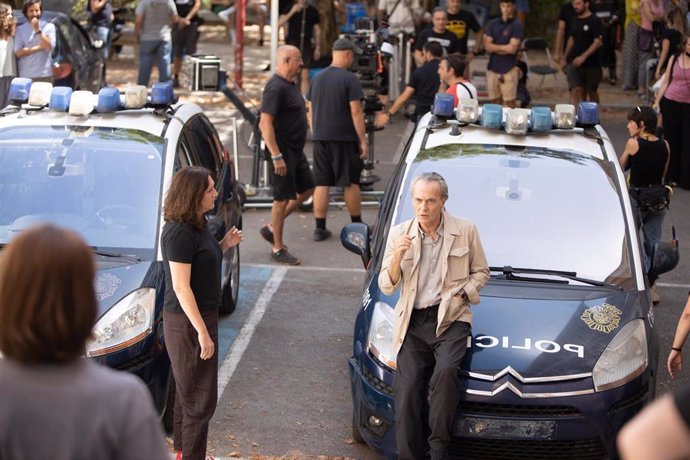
{"x":101,"y":166}
{"x":563,"y":349}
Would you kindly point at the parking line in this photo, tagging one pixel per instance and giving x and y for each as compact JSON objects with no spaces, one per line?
{"x":306,"y":267}
{"x":245,"y":336}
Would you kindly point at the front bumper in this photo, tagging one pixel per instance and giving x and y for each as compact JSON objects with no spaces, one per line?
{"x":505,"y":425}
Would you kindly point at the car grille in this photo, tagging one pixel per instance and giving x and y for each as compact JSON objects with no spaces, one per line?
{"x":515,"y":410}
{"x":377,"y":383}
{"x":133,"y":364}
{"x":468,"y":449}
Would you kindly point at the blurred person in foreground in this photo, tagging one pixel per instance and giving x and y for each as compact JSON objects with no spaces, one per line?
{"x":54,"y":404}
{"x":192,"y":263}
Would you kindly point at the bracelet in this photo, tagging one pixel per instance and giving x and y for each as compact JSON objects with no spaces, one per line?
{"x":389,"y":113}
{"x":277,"y":157}
{"x":676,"y":349}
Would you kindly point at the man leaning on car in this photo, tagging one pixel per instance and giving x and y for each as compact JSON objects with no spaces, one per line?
{"x":433,"y":316}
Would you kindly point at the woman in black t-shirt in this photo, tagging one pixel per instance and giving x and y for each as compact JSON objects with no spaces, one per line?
{"x":647,"y":157}
{"x":192,"y":263}
{"x":670,"y":39}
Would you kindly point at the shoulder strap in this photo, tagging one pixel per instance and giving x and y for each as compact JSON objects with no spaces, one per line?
{"x":394,"y":8}
{"x":467,"y":88}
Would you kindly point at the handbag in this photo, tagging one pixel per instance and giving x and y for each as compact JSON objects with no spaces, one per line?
{"x":655,"y":197}
{"x":645,"y":40}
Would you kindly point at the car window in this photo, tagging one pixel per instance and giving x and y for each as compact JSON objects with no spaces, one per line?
{"x":200,"y":136}
{"x":534,"y":207}
{"x":104,"y":183}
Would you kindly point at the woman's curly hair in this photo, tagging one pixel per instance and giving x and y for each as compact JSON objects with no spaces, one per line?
{"x":6,"y":20}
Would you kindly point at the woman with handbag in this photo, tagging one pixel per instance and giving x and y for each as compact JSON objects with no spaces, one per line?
{"x":647,"y":156}
{"x":674,"y":102}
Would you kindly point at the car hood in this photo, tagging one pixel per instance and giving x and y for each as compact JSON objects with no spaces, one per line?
{"x":546,"y":337}
{"x":116,"y":279}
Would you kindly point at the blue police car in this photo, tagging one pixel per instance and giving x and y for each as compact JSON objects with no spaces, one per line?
{"x":563,"y":349}
{"x":101,"y":166}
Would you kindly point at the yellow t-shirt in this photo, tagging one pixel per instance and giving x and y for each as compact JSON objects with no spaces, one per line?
{"x":632,"y":12}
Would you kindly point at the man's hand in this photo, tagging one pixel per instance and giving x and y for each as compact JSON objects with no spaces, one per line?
{"x":401,"y":246}
{"x":578,"y":61}
{"x":381,"y":120}
{"x":207,"y":346}
{"x":364,"y":149}
{"x":279,"y":167}
{"x":296,"y":8}
{"x":35,"y":24}
{"x":183,"y":22}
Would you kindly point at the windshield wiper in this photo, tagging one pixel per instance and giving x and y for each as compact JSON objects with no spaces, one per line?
{"x":114,"y":254}
{"x":511,"y":272}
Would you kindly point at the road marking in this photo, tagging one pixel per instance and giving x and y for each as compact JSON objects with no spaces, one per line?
{"x":302,"y":267}
{"x":674,"y":285}
{"x":245,"y":336}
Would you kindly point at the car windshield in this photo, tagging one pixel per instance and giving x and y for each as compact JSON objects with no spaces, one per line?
{"x":534,"y":207}
{"x":104,"y":183}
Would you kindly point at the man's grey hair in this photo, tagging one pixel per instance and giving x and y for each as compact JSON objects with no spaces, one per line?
{"x":433,"y":177}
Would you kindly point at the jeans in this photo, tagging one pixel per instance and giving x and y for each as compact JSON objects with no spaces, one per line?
{"x":103,"y":34}
{"x":161,"y":51}
{"x":650,"y":223}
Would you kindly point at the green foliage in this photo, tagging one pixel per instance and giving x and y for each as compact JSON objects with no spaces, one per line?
{"x":542,"y":20}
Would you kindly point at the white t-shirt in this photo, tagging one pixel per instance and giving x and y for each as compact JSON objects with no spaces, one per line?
{"x":8,"y":64}
{"x":402,"y":19}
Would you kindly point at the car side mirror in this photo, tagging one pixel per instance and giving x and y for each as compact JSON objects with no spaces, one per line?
{"x":665,"y":257}
{"x":355,"y":238}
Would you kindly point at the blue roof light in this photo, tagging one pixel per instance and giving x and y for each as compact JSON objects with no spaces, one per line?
{"x":587,"y":114}
{"x":19,"y":90}
{"x":541,"y":120}
{"x":59,"y":98}
{"x":443,"y":105}
{"x":108,"y":100}
{"x":162,"y":93}
{"x":492,"y":116}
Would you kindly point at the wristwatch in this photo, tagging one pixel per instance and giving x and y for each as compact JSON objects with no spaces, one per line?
{"x":38,"y":32}
{"x":389,"y":114}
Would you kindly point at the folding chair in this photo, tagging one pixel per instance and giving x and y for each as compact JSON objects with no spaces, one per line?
{"x":539,"y":44}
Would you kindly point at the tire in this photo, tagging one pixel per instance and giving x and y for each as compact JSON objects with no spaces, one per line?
{"x":232,"y":286}
{"x":356,"y":434}
{"x":169,"y":411}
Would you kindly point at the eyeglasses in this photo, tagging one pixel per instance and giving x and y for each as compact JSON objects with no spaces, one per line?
{"x":295,"y":58}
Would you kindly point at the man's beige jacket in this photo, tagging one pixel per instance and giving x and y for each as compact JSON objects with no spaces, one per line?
{"x":464,"y":266}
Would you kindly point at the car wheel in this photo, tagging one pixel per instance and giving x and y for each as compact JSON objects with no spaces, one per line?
{"x":169,"y":411}
{"x":356,"y":434}
{"x":232,"y":287}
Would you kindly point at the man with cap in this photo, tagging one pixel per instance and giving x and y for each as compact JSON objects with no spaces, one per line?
{"x":33,"y":43}
{"x":336,"y":118}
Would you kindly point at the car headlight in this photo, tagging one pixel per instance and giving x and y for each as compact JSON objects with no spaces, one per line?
{"x":624,"y":358}
{"x":380,"y":340}
{"x":126,"y":323}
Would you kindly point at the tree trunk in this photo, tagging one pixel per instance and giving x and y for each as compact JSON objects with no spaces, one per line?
{"x":329,"y":27}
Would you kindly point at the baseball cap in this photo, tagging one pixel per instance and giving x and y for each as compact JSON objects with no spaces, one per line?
{"x":345,"y":44}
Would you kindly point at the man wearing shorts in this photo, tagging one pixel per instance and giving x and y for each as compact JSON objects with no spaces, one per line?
{"x":502,"y":41}
{"x":582,"y":54}
{"x":336,"y":118}
{"x":185,"y":34}
{"x":283,"y":126}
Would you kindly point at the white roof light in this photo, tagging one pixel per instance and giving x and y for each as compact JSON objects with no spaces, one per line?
{"x":517,"y":121}
{"x":135,"y":97}
{"x":39,"y":95}
{"x":81,"y":103}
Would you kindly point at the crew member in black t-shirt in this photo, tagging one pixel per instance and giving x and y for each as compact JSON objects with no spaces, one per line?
{"x":100,"y":13}
{"x":460,"y":22}
{"x":303,"y":32}
{"x":185,"y":34}
{"x":436,"y":33}
{"x":582,"y":54}
{"x":284,"y":126}
{"x":191,"y":302}
{"x":423,"y":84}
{"x":336,"y":117}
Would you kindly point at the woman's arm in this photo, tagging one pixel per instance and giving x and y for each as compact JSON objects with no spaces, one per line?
{"x":665,"y":46}
{"x":675,"y":358}
{"x":181,"y":275}
{"x":631,"y":148}
{"x":664,"y":85}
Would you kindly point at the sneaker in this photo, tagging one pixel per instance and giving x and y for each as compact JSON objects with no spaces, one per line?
{"x":613,"y":81}
{"x":321,"y":234}
{"x":284,"y":257}
{"x":266,"y":233}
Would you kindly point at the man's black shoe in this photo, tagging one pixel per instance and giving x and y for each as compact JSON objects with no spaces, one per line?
{"x":321,"y":234}
{"x":284,"y":257}
{"x":266,"y":233}
{"x":438,"y":454}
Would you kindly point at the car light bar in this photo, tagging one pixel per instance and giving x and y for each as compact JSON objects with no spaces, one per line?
{"x":162,"y":93}
{"x":108,"y":100}
{"x":59,"y":98}
{"x":135,"y":97}
{"x":443,"y":105}
{"x":587,"y":114}
{"x":39,"y":95}
{"x":541,"y":120}
{"x":564,"y":117}
{"x":468,"y":110}
{"x":81,"y":103}
{"x":492,"y":116}
{"x":517,"y":121}
{"x":19,"y":90}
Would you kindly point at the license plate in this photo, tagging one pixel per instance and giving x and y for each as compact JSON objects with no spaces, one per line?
{"x":474,"y":427}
